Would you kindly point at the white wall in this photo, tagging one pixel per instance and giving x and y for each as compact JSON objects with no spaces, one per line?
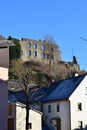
{"x":20,"y":117}
{"x":35,"y":118}
{"x":79,"y":96}
{"x":63,"y":114}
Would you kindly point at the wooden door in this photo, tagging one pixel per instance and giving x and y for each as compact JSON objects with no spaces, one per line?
{"x":58,"y":121}
{"x":11,"y":124}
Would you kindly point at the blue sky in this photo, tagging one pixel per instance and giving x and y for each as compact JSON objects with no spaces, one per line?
{"x":65,"y":20}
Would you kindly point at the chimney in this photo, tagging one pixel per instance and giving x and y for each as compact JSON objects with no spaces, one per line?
{"x":76,"y":74}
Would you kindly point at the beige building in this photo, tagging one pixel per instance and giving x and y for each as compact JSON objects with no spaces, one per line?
{"x":4,"y":53}
{"x":17,"y":116}
{"x":39,"y":51}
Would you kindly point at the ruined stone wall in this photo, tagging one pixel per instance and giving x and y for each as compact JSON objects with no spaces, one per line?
{"x":39,"y":51}
{"x":43,"y":52}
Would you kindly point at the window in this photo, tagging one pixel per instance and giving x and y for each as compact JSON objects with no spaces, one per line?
{"x":35,"y":46}
{"x":43,"y":56}
{"x":21,"y":52}
{"x":29,"y":45}
{"x":43,"y":47}
{"x":80,"y":124}
{"x":52,"y":49}
{"x":49,"y":108}
{"x":35,"y":54}
{"x":29,"y":125}
{"x":29,"y":53}
{"x":80,"y":106}
{"x":58,"y":108}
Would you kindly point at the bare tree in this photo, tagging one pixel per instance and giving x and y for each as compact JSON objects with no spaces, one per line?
{"x":49,"y":39}
{"x":23,"y":77}
{"x":52,"y":50}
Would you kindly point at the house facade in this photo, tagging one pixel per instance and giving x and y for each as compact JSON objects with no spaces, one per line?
{"x":78,"y":106}
{"x":17,"y":117}
{"x":56,"y":115}
{"x":65,"y":108}
{"x":4,"y":65}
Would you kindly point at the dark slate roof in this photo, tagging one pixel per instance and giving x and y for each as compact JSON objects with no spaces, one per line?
{"x":16,"y":96}
{"x":35,"y":94}
{"x":56,"y":91}
{"x":64,"y":89}
{"x":12,"y":98}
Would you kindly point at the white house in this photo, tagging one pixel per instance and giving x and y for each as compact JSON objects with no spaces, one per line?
{"x":65,"y":107}
{"x":17,"y":116}
{"x":4,"y":64}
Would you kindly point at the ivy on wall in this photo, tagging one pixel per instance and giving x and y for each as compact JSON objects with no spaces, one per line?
{"x":14,"y":50}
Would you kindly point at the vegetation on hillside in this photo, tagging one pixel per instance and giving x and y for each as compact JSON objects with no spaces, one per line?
{"x":14,"y":50}
{"x":49,"y":73}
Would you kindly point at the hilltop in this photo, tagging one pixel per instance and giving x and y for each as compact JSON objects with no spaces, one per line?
{"x":44,"y":56}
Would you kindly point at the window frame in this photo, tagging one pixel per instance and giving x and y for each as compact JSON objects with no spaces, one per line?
{"x":29,"y":45}
{"x":43,"y":56}
{"x":49,"y":108}
{"x":58,"y":107}
{"x":29,"y":53}
{"x":35,"y":46}
{"x":79,"y":106}
{"x":80,"y":124}
{"x":35,"y":53}
{"x":29,"y":125}
{"x":43,"y":47}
